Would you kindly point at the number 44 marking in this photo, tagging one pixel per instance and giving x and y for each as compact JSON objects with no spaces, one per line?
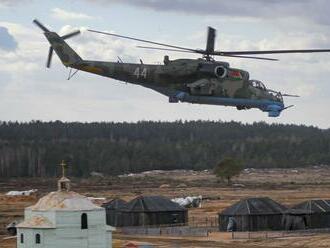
{"x":140,"y":72}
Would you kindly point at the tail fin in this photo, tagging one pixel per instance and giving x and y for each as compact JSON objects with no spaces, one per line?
{"x":66,"y":54}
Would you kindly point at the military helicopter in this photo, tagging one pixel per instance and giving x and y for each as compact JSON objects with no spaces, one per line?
{"x":200,"y":81}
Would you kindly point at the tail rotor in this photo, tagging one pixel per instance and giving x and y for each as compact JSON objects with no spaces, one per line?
{"x":51,"y":49}
{"x":40,"y":25}
{"x":50,"y":56}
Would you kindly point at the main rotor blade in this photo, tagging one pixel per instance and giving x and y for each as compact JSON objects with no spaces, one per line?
{"x":165,"y":49}
{"x":270,"y":52}
{"x":249,"y":57}
{"x":202,"y":52}
{"x":146,"y":41}
{"x":67,"y":36}
{"x":210,"y":47}
{"x":40,"y":25}
{"x":50,"y":55}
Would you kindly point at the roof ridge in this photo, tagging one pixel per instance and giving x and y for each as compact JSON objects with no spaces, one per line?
{"x":319,"y":206}
{"x":247,"y":205}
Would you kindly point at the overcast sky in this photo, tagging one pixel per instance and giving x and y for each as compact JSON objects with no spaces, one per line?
{"x":29,"y":91}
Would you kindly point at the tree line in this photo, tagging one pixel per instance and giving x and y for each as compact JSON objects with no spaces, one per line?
{"x":35,"y":149}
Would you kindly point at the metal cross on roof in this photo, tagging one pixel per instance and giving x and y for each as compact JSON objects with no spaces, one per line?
{"x":64,"y":168}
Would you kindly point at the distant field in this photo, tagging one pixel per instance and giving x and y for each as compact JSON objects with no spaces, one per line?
{"x":288,"y":186}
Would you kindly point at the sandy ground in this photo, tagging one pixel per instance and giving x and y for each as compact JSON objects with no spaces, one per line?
{"x":285,"y":186}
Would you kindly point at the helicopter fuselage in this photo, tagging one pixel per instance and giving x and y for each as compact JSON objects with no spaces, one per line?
{"x":192,"y":80}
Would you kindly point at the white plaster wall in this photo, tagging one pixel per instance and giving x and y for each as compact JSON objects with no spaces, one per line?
{"x":29,"y":238}
{"x":68,"y":232}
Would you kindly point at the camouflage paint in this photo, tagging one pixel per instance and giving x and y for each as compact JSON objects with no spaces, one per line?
{"x":194,"y":78}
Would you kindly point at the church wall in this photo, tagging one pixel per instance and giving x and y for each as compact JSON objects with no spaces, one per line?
{"x":73,"y":218}
{"x":69,"y":228}
{"x":109,"y":238}
{"x":68,"y":232}
{"x":30,"y":238}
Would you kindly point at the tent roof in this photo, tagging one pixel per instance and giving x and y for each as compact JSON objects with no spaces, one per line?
{"x":115,"y":204}
{"x":314,"y":206}
{"x":153,"y":204}
{"x":255,"y":206}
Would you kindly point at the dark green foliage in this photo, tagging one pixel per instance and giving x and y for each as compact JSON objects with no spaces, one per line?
{"x":35,"y":148}
{"x":228,"y":168}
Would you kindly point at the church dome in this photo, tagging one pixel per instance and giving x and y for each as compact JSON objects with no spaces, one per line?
{"x":37,"y":222}
{"x":64,"y":200}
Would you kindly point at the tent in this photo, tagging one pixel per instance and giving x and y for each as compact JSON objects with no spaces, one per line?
{"x":114,"y":210}
{"x":146,"y":211}
{"x":317,"y":213}
{"x":252,"y":214}
{"x":295,"y":219}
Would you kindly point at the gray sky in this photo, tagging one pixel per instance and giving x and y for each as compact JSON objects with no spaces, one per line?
{"x":29,"y":91}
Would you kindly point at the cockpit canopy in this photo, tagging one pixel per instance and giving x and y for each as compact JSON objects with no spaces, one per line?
{"x":257,"y":84}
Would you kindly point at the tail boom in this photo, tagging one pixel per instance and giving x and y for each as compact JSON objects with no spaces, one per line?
{"x":66,"y":54}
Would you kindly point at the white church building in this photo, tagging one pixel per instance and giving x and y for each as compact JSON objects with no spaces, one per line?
{"x":64,"y":219}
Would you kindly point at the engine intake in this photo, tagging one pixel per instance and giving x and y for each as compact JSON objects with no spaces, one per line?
{"x":220,"y":71}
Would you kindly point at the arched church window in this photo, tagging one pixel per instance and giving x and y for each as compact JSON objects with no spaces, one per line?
{"x":38,"y":238}
{"x":84,"y":221}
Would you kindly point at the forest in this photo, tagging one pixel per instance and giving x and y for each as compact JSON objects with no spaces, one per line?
{"x":36,"y":148}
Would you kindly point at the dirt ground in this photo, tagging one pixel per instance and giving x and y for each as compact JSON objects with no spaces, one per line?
{"x":287,"y":186}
